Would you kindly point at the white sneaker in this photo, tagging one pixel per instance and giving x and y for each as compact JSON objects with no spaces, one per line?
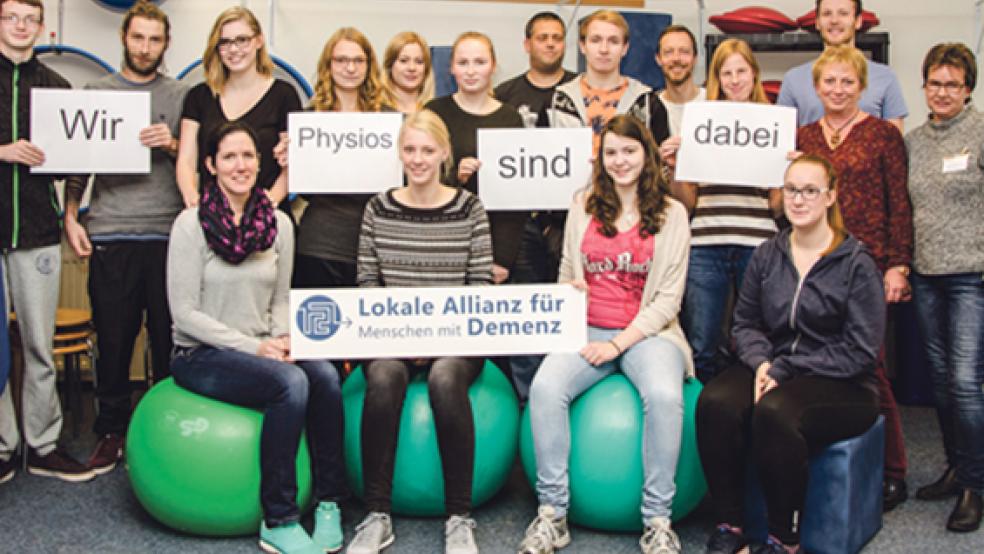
{"x":546,"y":533}
{"x":372,"y":535}
{"x":459,"y":537}
{"x":659,"y":538}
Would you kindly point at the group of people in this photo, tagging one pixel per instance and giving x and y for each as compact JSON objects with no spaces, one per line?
{"x":204,"y":248}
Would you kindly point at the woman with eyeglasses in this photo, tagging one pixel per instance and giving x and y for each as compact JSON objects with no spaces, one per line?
{"x":808,"y":326}
{"x":328,"y":234}
{"x":408,"y":81}
{"x":471,"y":108}
{"x":946,"y":185}
{"x":239,"y":86}
{"x":870,"y":158}
{"x":728,"y":221}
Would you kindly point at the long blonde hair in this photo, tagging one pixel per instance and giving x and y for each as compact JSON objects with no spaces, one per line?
{"x":723,"y":52}
{"x":216,"y":74}
{"x":388,"y":92}
{"x":324,"y":99}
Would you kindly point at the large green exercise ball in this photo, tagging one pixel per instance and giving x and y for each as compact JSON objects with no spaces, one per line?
{"x":418,"y":482}
{"x":605,"y":473}
{"x":194,"y":462}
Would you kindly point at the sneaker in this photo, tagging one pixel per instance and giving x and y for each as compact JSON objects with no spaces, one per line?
{"x":58,"y":463}
{"x":8,"y":468}
{"x":327,"y":527}
{"x":372,"y":535}
{"x":771,"y":546}
{"x":290,"y":538}
{"x":546,"y":533}
{"x":725,"y":540}
{"x":459,"y":537}
{"x":659,"y":538}
{"x":109,"y":450}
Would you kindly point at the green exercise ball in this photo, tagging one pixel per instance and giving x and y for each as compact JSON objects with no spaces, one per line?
{"x":194,"y":462}
{"x":418,"y":482}
{"x":605,"y":472}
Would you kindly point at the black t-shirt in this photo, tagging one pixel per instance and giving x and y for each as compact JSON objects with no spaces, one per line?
{"x":507,"y":227}
{"x":529,"y":99}
{"x":268,"y":117}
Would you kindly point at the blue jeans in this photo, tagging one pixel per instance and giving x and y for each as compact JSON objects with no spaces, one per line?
{"x":950,"y":309}
{"x":290,"y":396}
{"x":656,"y":367}
{"x":714,"y":272}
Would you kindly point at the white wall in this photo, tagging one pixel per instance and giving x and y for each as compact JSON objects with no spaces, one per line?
{"x":302,"y":26}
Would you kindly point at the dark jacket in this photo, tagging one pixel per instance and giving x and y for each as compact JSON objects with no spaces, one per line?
{"x":28,"y":205}
{"x":831,"y":325}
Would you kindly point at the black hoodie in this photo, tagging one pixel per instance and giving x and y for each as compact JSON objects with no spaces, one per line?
{"x":831,"y":324}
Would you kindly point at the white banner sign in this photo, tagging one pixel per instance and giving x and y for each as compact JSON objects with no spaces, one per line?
{"x":532,"y":169}
{"x":735,"y":143}
{"x":90,"y":131}
{"x":332,"y":152}
{"x":429,"y":322}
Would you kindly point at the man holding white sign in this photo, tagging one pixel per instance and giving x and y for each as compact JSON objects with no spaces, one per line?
{"x":126,"y":233}
{"x":29,"y":240}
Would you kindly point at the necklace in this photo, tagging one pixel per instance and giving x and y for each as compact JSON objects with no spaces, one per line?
{"x":835,"y":137}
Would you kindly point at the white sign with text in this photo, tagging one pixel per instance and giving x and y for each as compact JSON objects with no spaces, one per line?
{"x":90,"y":131}
{"x":332,"y":152}
{"x":735,"y":143}
{"x":428,"y":322}
{"x":532,"y":169}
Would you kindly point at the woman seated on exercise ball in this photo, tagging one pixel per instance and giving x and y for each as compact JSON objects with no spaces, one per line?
{"x":808,"y":323}
{"x":228,"y":278}
{"x":424,"y":234}
{"x":626,"y":244}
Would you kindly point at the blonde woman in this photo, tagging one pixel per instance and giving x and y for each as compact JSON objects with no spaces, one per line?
{"x":408,"y":79}
{"x":239,"y":86}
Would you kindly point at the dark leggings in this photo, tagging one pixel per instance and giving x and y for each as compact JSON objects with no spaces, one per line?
{"x":448,"y":381}
{"x":788,"y":425}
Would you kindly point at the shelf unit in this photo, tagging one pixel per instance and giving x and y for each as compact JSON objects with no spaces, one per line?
{"x":875,"y":44}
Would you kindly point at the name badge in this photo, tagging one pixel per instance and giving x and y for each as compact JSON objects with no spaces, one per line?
{"x":954,"y":164}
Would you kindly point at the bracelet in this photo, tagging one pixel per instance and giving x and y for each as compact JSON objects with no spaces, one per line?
{"x":615,"y":344}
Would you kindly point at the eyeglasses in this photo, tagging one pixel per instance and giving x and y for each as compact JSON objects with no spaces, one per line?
{"x":357,"y":61}
{"x":951,"y":87}
{"x":240,"y":42}
{"x":808,"y":193}
{"x":15,"y":20}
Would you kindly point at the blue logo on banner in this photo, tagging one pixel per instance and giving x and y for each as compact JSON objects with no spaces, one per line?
{"x":319,"y":318}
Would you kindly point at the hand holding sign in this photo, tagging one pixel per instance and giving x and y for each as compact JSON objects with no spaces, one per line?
{"x":737,"y":143}
{"x":22,"y":152}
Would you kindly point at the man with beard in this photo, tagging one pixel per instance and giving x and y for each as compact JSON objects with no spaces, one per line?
{"x":838,"y":21}
{"x":531,"y":91}
{"x":677,"y":56}
{"x":126,"y":231}
{"x":29,"y":251}
{"x":539,"y":253}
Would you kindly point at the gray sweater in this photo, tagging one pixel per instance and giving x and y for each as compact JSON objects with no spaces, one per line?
{"x":222,"y":305}
{"x":947,"y":208}
{"x":140,"y":204}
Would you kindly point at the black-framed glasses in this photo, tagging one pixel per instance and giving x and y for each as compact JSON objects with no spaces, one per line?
{"x":951,"y":87}
{"x":808,"y":193}
{"x":240,"y":42}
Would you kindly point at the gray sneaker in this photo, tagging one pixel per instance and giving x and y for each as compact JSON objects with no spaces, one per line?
{"x":459,"y":537}
{"x":372,"y":535}
{"x":659,"y":538}
{"x":546,"y":533}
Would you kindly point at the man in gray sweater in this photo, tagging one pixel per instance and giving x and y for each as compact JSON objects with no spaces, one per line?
{"x":126,"y":231}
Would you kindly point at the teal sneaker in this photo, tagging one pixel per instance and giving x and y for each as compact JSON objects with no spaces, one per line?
{"x":287,"y":539}
{"x":328,"y":527}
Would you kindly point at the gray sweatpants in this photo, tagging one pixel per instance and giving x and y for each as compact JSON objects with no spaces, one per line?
{"x":32,"y":283}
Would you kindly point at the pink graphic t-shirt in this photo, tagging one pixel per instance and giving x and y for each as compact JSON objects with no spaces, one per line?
{"x":616,"y":270}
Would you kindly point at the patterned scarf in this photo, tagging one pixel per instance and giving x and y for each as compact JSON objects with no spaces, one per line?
{"x":256,"y":231}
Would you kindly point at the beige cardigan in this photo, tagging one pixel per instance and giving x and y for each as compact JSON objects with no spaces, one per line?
{"x":663,"y":293}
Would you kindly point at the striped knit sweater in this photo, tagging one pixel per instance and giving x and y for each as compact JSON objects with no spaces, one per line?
{"x":401,"y":246}
{"x":731,"y":215}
